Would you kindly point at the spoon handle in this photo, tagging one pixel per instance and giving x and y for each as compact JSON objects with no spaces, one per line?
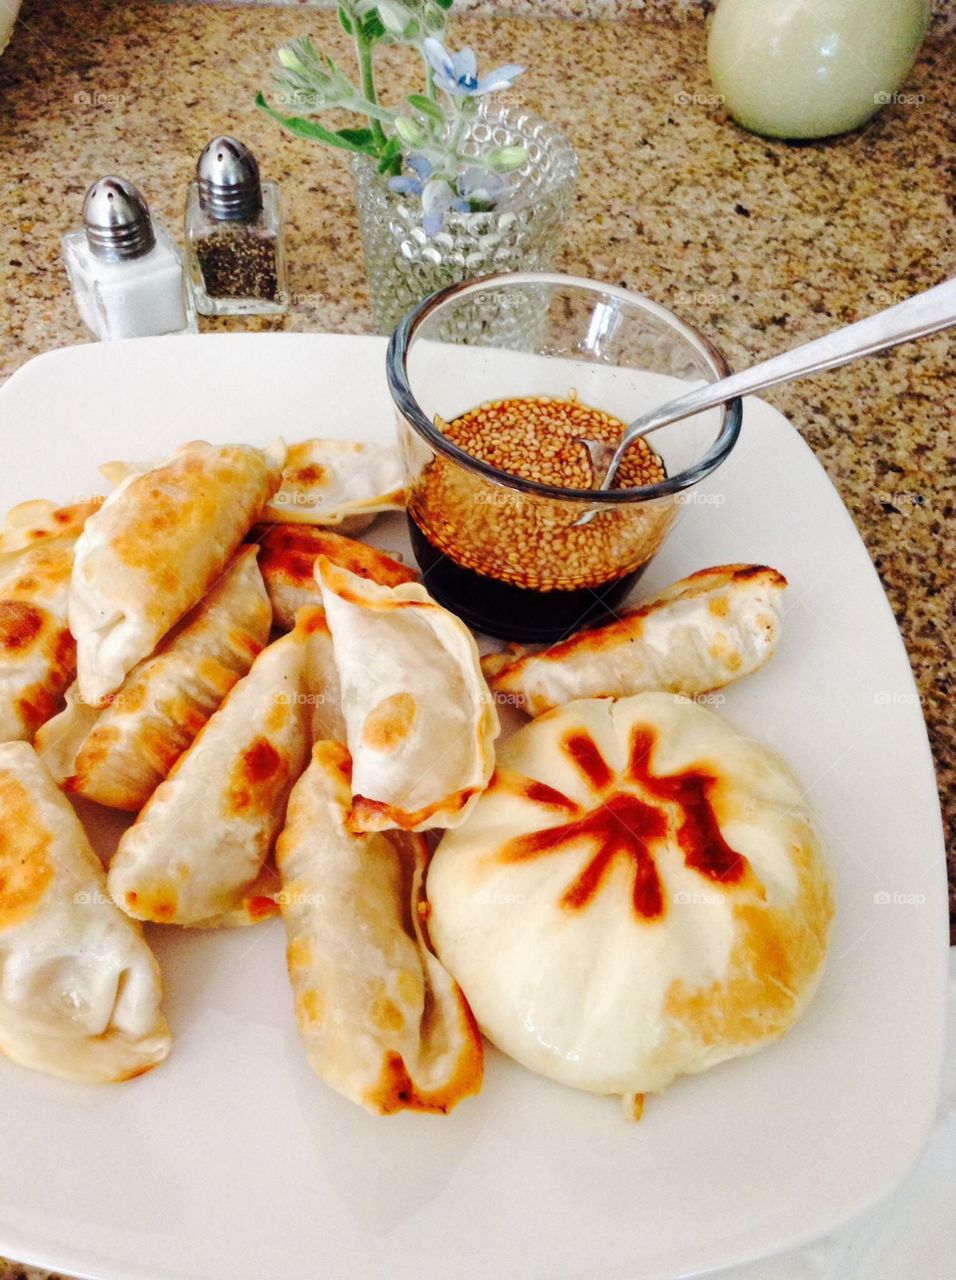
{"x":924,"y":313}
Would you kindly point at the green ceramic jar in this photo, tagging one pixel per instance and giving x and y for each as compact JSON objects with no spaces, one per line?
{"x":813,"y":68}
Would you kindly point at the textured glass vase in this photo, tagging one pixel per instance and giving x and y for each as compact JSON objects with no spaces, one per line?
{"x":522,"y":232}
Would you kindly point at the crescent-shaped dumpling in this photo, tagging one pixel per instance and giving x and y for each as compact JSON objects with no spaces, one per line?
{"x":341,"y":483}
{"x":117,"y":755}
{"x":153,"y":549}
{"x":195,"y":854}
{"x":344,"y":484}
{"x":288,"y":558}
{"x":381,"y":1020}
{"x":700,"y":634}
{"x":80,"y":990}
{"x":37,"y":651}
{"x":420,"y":721}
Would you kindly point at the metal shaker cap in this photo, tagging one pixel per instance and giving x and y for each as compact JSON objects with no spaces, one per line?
{"x":117,"y":221}
{"x":229,"y":185}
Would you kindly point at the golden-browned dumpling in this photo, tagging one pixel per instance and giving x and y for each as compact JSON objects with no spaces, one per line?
{"x":638,"y":894}
{"x":342,"y":483}
{"x":80,"y":990}
{"x":421,"y":724}
{"x":157,"y":544}
{"x":118,"y":755}
{"x":195,"y":854}
{"x":39,"y":519}
{"x":37,"y":651}
{"x":288,"y":557}
{"x":700,"y":634}
{"x":380,"y":1018}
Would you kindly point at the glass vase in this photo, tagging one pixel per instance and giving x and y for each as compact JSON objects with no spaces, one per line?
{"x":522,"y":232}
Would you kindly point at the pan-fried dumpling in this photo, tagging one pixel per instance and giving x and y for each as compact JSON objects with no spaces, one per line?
{"x":381,"y":1020}
{"x":342,"y":483}
{"x":118,"y":755}
{"x":638,"y":894}
{"x":154,"y":548}
{"x":700,"y":634}
{"x":40,"y":519}
{"x":288,"y":557}
{"x":80,"y":990}
{"x":420,"y":721}
{"x":37,"y":651}
{"x":195,"y":854}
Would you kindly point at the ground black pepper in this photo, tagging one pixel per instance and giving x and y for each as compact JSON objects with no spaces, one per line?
{"x":239,"y":261}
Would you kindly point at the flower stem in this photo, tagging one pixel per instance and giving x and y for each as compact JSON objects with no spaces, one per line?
{"x":363,"y":51}
{"x":430,"y":80}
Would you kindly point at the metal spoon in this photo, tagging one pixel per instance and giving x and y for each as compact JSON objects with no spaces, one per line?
{"x":918,"y":316}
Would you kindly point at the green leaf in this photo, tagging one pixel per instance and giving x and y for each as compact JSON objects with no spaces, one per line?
{"x":444,"y":4}
{"x":361,"y":138}
{"x":426,"y":107}
{"x":373,"y":27}
{"x":348,"y":139}
{"x":390,"y":157}
{"x":346,"y":21}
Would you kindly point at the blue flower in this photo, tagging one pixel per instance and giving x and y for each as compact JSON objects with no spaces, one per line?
{"x":406,"y":185}
{"x":457,"y":73}
{"x":421,"y":164}
{"x":474,"y":186}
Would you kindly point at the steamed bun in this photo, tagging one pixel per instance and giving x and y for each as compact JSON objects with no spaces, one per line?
{"x":638,"y":894}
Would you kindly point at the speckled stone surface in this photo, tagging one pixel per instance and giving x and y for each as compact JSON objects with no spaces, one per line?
{"x":942,"y":11}
{"x":761,"y":244}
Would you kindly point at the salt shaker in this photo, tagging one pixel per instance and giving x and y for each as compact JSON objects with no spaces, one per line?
{"x":127,"y":273}
{"x":234,"y":234}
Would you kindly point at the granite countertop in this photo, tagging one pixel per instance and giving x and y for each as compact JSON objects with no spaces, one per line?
{"x":760,"y":244}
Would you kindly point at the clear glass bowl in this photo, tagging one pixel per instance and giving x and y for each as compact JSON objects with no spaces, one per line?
{"x":504,"y":552}
{"x":523,"y":231}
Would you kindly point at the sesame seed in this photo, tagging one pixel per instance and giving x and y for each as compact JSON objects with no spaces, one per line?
{"x":524,"y":539}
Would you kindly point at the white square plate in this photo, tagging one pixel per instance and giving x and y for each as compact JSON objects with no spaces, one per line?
{"x":233,"y":1161}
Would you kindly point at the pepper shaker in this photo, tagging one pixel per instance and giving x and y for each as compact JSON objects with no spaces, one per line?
{"x":126,"y":271}
{"x":234,"y":234}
